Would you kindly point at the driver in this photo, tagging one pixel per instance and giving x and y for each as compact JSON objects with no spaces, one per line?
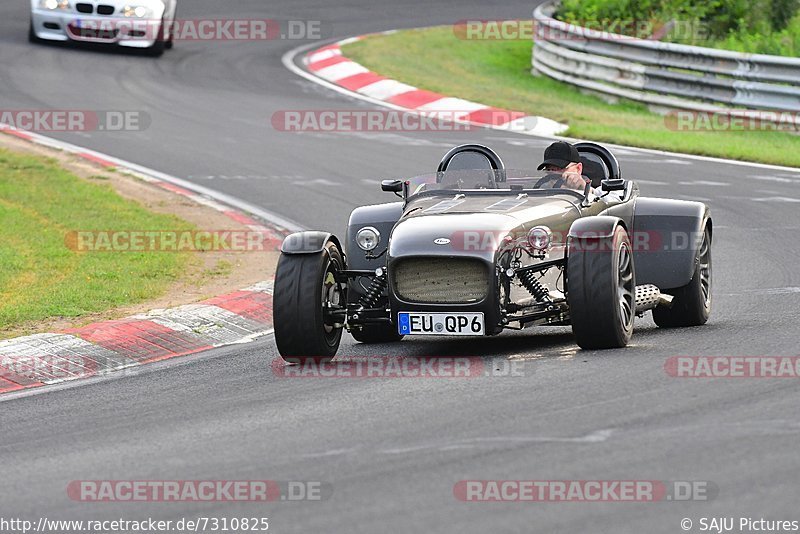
{"x":562,"y":157}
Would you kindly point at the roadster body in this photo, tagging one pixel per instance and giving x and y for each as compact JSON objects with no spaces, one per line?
{"x":474,"y":249}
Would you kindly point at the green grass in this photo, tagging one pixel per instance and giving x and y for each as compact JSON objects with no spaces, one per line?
{"x":41,"y":277}
{"x":497,"y":73}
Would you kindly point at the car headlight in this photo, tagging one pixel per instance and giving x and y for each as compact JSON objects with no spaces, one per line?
{"x":138,"y":12}
{"x":539,"y":237}
{"x":368,"y":238}
{"x":54,"y":4}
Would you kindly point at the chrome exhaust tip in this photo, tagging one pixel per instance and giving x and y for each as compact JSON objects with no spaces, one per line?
{"x":665,"y":300}
{"x":649,"y":296}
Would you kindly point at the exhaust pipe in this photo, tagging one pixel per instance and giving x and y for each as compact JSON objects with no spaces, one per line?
{"x":649,"y":296}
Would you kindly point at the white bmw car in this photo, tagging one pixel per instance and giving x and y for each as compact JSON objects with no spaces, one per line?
{"x":142,"y":24}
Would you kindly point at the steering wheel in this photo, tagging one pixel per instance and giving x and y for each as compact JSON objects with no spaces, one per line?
{"x":557,"y":180}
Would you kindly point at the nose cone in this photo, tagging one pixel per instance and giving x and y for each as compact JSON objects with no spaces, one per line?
{"x":457,"y":234}
{"x":478,"y":227}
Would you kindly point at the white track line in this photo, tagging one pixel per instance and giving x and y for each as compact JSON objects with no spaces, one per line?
{"x":145,"y":172}
{"x":288,"y":61}
{"x":129,"y":372}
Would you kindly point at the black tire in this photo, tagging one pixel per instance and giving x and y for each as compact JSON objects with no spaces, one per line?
{"x":601,"y":290}
{"x":32,"y":38}
{"x":691,"y":305}
{"x":300,"y":331}
{"x":157,"y":50}
{"x":376,"y":334}
{"x":171,"y":41}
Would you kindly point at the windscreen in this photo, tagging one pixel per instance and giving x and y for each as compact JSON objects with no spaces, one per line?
{"x":509,"y":179}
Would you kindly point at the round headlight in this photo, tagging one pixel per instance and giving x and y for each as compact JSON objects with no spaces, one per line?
{"x":135,"y":11}
{"x":55,"y":4}
{"x":368,"y":238}
{"x":539,"y":237}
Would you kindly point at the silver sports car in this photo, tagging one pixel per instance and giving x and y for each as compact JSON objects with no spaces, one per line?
{"x":141,"y":24}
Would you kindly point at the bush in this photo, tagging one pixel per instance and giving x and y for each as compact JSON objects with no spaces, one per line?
{"x":756,"y":26}
{"x":783,"y":43}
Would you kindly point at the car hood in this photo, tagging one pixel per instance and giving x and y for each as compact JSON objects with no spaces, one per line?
{"x":475,"y":226}
{"x":520,"y":205}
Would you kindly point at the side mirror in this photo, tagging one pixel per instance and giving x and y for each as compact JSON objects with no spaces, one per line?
{"x":392,"y":186}
{"x":616,"y":184}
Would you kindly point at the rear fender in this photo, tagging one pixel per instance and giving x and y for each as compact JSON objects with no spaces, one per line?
{"x":667,"y":234}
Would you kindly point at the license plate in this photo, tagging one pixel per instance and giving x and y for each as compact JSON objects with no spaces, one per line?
{"x":440,"y":324}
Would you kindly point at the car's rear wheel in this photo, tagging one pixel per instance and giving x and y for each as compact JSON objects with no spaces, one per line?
{"x":691,"y":305}
{"x":376,"y":334}
{"x":601,"y":291}
{"x":305,"y":287}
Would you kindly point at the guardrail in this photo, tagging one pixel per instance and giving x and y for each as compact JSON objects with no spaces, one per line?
{"x":663,"y":74}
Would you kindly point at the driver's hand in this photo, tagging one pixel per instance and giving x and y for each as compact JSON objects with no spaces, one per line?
{"x":575,"y":181}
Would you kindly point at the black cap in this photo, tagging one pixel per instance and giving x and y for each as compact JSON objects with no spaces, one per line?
{"x":560,"y":154}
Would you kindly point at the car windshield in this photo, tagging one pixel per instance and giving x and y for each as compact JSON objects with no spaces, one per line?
{"x":509,"y":179}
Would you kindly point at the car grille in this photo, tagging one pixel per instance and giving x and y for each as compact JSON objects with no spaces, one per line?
{"x":103,"y":9}
{"x":93,"y":33}
{"x":440,"y":280}
{"x":84,"y":8}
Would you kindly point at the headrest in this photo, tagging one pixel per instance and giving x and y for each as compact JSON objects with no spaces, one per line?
{"x":594,"y":168}
{"x":470,"y":156}
{"x":597,"y":152}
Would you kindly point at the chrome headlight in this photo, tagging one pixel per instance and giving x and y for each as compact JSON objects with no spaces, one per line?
{"x":539,"y":237}
{"x":54,"y":4}
{"x":368,"y":238}
{"x":133,"y":11}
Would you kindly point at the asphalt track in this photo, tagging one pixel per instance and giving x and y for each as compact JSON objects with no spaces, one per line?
{"x":393,"y":449}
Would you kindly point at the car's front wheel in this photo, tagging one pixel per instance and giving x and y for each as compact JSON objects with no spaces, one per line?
{"x":32,"y":37}
{"x":171,"y":29}
{"x":158,"y":47}
{"x":306,"y":291}
{"x":601,"y":291}
{"x":691,"y":304}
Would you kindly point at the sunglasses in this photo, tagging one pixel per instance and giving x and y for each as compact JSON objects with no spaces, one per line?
{"x":554,"y":168}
